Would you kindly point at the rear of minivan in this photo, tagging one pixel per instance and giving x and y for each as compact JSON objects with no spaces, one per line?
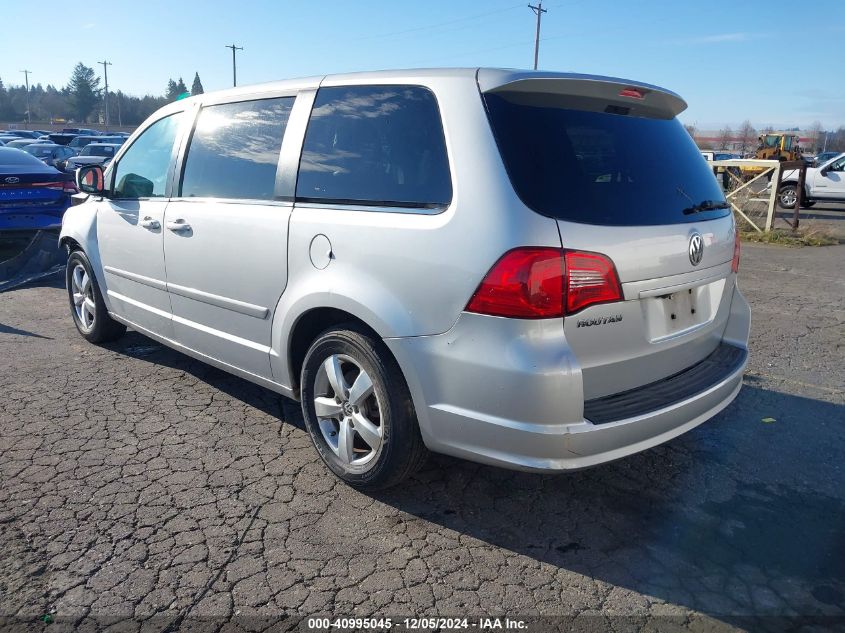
{"x":630,"y":333}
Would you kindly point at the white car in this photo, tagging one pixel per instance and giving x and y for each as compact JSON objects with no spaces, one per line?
{"x":826,"y":182}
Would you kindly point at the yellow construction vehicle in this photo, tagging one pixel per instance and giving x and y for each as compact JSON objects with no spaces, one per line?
{"x":781,"y":146}
{"x":778,"y":146}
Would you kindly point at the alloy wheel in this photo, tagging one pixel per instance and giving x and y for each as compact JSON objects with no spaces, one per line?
{"x":348,"y":410}
{"x":83,"y":297}
{"x":788,"y":197}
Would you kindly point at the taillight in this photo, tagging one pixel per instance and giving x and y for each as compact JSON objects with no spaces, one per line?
{"x":633,"y":93}
{"x":735,"y":260}
{"x":591,"y":278}
{"x":526,"y":283}
{"x":66,"y":186}
{"x":542,"y":283}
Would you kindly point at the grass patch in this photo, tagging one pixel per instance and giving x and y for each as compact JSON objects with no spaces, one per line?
{"x":788,"y":238}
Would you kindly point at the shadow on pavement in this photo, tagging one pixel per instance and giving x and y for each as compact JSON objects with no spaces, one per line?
{"x":8,"y":329}
{"x":139,"y":346}
{"x":739,"y":517}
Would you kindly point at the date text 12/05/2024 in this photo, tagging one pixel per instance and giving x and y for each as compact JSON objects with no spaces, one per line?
{"x":413,"y":624}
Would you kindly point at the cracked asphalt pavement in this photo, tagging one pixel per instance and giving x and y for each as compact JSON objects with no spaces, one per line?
{"x":140,"y":487}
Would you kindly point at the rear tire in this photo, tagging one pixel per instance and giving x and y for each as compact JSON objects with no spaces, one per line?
{"x":87,"y":307}
{"x":366,"y":431}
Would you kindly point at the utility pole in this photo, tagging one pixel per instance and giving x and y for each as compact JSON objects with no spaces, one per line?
{"x":106,"y":65}
{"x":27,"y":73}
{"x":539,"y":10}
{"x":234,"y":65}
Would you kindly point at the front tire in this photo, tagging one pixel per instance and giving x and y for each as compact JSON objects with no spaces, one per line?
{"x":358,"y":409}
{"x":788,"y":196}
{"x":87,"y":307}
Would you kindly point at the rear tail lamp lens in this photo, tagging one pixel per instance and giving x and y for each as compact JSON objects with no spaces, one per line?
{"x":542,"y":283}
{"x":526,"y":283}
{"x":591,"y":278}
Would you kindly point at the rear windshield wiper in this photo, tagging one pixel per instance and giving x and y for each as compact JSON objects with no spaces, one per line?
{"x":706,"y":205}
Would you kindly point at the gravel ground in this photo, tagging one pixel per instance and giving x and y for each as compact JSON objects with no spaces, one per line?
{"x":140,"y":487}
{"x":827,"y":218}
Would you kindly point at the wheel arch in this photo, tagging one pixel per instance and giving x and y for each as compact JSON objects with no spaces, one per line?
{"x":794,"y":181}
{"x":70,"y":244}
{"x":79,"y":232}
{"x":307,"y":327}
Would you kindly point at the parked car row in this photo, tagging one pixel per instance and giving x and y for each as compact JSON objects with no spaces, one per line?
{"x":57,"y":148}
{"x":36,"y":172}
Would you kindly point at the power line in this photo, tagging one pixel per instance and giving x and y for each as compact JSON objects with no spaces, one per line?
{"x":234,"y":64}
{"x":539,"y":11}
{"x":27,"y":73}
{"x":105,"y":65}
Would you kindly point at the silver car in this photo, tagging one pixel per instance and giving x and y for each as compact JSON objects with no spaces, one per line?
{"x":527,"y":269}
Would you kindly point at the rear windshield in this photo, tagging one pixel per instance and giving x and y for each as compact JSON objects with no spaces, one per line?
{"x":601,"y":168}
{"x":97,"y":151}
{"x":39,"y":150}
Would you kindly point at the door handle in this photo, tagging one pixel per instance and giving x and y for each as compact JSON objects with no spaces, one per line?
{"x":150,"y":223}
{"x":178,"y":225}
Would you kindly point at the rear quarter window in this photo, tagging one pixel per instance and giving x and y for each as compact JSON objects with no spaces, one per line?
{"x":375,"y":145}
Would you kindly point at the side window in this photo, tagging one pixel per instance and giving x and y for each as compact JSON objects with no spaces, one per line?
{"x":838,"y":165}
{"x":375,"y":145}
{"x":234,"y":150}
{"x":142,"y":170}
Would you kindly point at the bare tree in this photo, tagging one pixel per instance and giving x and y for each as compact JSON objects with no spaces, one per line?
{"x":813,"y":134}
{"x":747,"y":136}
{"x":836,"y":140}
{"x":725,"y":137}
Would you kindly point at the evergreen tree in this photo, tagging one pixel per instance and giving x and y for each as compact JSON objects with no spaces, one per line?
{"x":196,"y":87}
{"x":83,"y":91}
{"x":4,"y":101}
{"x":172,"y":90}
{"x":181,"y":88}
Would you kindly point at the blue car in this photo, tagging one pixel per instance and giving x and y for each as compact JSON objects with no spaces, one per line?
{"x":33,"y":195}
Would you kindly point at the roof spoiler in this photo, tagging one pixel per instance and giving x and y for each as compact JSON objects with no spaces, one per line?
{"x":585,"y":92}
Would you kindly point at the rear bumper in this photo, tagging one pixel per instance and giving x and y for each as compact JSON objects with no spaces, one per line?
{"x":509,"y":393}
{"x":23,"y":220}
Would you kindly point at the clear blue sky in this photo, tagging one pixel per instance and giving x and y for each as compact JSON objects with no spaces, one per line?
{"x":729,"y":60}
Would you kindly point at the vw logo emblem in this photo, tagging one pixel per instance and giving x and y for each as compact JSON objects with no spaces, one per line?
{"x":696,"y":249}
{"x":12,"y":180}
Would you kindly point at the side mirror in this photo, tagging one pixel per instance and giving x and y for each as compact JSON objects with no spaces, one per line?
{"x":825,"y":171}
{"x":90,"y":179}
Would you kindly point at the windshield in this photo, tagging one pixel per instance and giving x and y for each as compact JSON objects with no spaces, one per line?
{"x":600,"y":168}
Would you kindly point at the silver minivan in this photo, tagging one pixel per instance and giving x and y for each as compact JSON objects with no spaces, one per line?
{"x":527,"y":269}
